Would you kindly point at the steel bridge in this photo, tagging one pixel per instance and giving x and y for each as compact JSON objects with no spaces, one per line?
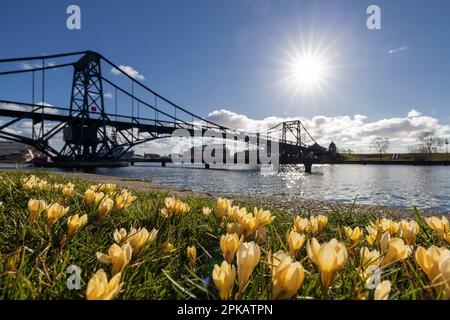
{"x":91,"y":130}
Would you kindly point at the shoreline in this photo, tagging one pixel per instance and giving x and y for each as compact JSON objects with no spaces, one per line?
{"x":293,"y":203}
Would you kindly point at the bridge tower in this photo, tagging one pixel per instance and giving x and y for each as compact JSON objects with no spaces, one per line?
{"x":294,"y":127}
{"x":85,"y":135}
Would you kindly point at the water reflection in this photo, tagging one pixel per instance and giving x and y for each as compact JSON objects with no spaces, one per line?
{"x":394,"y":186}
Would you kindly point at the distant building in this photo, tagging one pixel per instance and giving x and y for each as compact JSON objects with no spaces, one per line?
{"x":332,"y":149}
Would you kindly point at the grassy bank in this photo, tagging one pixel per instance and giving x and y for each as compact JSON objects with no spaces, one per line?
{"x":35,"y":253}
{"x":401,"y":157}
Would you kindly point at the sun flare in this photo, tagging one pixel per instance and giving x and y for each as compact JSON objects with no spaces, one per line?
{"x":307,"y":68}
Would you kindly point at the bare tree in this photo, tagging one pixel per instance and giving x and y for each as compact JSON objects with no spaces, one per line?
{"x":380,"y":144}
{"x":429,"y":143}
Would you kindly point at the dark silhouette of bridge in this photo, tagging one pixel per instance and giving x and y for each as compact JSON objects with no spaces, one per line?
{"x":91,"y":134}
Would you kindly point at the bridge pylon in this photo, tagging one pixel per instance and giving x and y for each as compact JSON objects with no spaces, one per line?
{"x":85,"y":135}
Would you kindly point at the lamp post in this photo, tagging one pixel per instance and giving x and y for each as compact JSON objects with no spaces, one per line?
{"x":446,"y":145}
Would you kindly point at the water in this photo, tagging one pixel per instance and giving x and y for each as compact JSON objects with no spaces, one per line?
{"x":398,"y":186}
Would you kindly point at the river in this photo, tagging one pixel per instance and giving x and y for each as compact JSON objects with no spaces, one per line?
{"x":396,"y":186}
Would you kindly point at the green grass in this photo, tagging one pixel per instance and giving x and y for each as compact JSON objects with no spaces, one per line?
{"x":34,"y":257}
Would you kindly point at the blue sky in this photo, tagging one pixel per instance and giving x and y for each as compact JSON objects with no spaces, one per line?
{"x":209,"y":55}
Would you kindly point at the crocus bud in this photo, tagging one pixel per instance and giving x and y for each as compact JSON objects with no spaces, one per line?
{"x":353,"y":234}
{"x":369,"y":258}
{"x":120,"y":235}
{"x":98,"y":197}
{"x":105,"y":206}
{"x":35,"y":207}
{"x":229,"y":244}
{"x":206,"y":211}
{"x":100,"y":289}
{"x":119,"y":257}
{"x":295,"y":242}
{"x":75,"y":222}
{"x":191,"y":253}
{"x":301,"y":225}
{"x":140,"y":238}
{"x":54,"y":212}
{"x":322,"y":221}
{"x":89,"y":196}
{"x":223,"y":277}
{"x":248,"y":256}
{"x":168,"y":247}
{"x":262,"y":217}
{"x":372,"y":234}
{"x":68,"y":190}
{"x":222,"y":206}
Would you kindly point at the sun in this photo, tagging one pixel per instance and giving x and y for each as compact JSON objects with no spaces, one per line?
{"x":307,"y":67}
{"x":306,"y":73}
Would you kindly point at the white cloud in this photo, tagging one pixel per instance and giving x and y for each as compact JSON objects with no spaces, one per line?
{"x":353,"y":132}
{"x":400,"y":49}
{"x":16,"y":107}
{"x":414,"y":113}
{"x":28,"y":66}
{"x":128,"y":70}
{"x":108,"y":95}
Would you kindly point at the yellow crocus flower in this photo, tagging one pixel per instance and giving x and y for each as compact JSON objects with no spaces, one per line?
{"x":393,"y":249}
{"x":54,"y":212}
{"x":262,"y":217}
{"x":223,"y":277}
{"x":441,"y":226}
{"x":191,"y":253}
{"x":322,"y":221}
{"x":206,"y":211}
{"x":429,"y":260}
{"x":75,"y":222}
{"x":330,"y":257}
{"x":295,"y":242}
{"x":89,"y":196}
{"x":99,"y":288}
{"x":68,"y":190}
{"x":301,"y":225}
{"x":120,"y":235}
{"x":168,"y":247}
{"x":118,"y":257}
{"x":229,"y":244}
{"x":138,"y":239}
{"x":105,"y":206}
{"x":35,"y":208}
{"x":407,"y":230}
{"x":353,"y":234}
{"x":369,"y":258}
{"x":287,"y":278}
{"x":383,"y":290}
{"x":222,"y":205}
{"x":248,"y":256}
{"x":372,"y":234}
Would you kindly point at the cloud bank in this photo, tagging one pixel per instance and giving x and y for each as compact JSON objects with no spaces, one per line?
{"x":348,"y":132}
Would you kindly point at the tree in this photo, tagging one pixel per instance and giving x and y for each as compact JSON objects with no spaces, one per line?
{"x":380,"y":144}
{"x":429,"y":143}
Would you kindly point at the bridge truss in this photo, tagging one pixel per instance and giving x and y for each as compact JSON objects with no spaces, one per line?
{"x":91,"y":133}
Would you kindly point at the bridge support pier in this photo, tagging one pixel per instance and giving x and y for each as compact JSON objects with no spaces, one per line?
{"x":206,"y":165}
{"x":308,"y":167}
{"x":163,"y":163}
